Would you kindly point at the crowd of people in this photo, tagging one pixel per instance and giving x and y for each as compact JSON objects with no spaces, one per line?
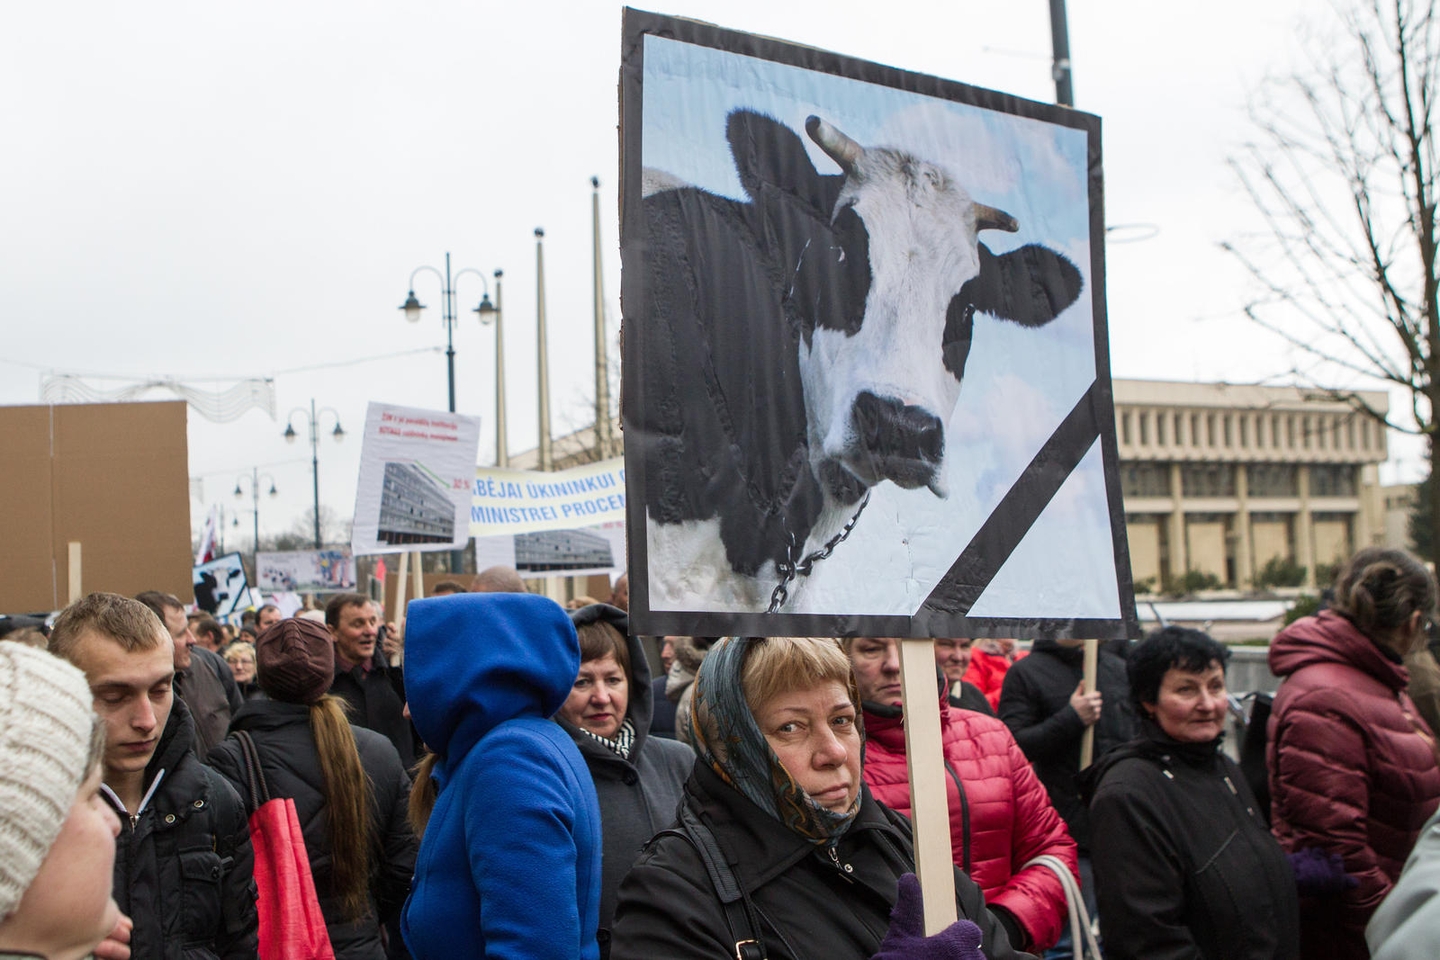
{"x":506,"y":778}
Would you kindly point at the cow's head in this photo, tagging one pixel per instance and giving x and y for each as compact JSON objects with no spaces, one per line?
{"x":886,"y":275}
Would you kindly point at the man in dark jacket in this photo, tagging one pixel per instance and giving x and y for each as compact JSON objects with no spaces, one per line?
{"x":1045,"y":706}
{"x":202,"y":679}
{"x":374,"y":689}
{"x":183,"y":861}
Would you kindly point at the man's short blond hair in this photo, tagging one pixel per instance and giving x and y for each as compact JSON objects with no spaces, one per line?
{"x":130,"y":623}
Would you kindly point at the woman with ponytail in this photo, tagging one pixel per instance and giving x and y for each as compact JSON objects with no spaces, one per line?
{"x":348,"y":785}
{"x":1353,"y":774}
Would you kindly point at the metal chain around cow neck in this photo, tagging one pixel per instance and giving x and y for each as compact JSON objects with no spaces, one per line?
{"x":789,"y":569}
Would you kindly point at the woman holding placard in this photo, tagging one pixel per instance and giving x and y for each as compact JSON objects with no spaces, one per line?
{"x":779,"y":841}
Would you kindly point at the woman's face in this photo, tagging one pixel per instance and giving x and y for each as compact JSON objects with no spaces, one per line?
{"x":598,"y":700}
{"x":68,"y":904}
{"x":813,"y":733}
{"x":1191,"y":706}
{"x":242,"y":664}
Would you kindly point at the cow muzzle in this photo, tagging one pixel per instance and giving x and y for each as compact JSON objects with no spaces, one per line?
{"x":895,"y":441}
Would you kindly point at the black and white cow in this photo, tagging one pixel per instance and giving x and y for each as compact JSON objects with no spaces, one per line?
{"x":804,"y":346}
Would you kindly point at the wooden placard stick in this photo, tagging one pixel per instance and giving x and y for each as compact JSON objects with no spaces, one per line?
{"x":1087,"y":739}
{"x":929,"y":806}
{"x":401,"y":582}
{"x":417,"y":577}
{"x":73,"y":585}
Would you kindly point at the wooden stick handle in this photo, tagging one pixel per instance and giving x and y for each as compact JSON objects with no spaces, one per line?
{"x":929,"y":805}
{"x":1087,"y":740}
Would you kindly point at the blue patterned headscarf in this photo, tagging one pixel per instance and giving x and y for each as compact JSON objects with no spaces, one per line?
{"x":729,"y":741}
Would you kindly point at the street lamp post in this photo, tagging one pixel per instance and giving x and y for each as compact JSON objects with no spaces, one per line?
{"x":486,"y":313}
{"x":254,"y":479}
{"x":485,"y":310}
{"x":290,"y":435}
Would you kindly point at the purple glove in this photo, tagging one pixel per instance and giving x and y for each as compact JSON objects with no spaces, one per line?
{"x":906,"y":940}
{"x":1319,"y":873}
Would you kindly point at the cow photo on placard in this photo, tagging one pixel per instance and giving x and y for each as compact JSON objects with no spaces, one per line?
{"x":866,"y":381}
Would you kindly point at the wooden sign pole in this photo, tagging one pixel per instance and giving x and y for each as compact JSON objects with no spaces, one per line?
{"x":417,"y":577}
{"x":74,"y":584}
{"x":930,"y":813}
{"x":1087,"y":739}
{"x":402,"y":583}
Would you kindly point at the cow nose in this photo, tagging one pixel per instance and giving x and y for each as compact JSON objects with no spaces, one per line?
{"x":892,"y":429}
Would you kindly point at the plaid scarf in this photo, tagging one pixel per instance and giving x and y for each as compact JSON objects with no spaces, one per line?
{"x":624,"y":740}
{"x":728,"y":740}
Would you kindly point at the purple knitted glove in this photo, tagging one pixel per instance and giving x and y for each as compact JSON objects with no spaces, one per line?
{"x":1319,"y":873}
{"x":906,"y":938}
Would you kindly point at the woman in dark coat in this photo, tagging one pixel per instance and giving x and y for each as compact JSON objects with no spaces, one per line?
{"x":349,"y":789}
{"x":1184,"y":865}
{"x":638,"y":779}
{"x":1352,"y":764}
{"x":777,"y":791}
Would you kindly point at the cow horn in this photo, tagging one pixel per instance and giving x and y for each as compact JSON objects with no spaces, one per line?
{"x":837,"y":146}
{"x":988,"y":218}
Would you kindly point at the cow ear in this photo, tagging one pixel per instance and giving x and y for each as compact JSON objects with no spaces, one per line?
{"x":1029,"y":286}
{"x":770,"y":157}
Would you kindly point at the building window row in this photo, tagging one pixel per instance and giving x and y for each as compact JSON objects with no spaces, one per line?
{"x":1248,"y":430}
{"x":1263,"y":480}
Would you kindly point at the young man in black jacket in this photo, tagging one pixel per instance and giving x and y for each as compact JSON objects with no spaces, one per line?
{"x":183,"y":861}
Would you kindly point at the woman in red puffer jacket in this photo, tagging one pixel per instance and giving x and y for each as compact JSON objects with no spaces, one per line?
{"x":1352,"y":765}
{"x":1000,"y":815}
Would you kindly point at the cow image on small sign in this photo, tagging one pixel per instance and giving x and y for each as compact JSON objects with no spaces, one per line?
{"x":866,"y":379}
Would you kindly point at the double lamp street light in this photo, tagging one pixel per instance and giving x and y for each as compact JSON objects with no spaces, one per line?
{"x":290,"y":435}
{"x":486,"y":312}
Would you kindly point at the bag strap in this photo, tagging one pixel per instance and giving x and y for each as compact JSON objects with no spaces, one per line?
{"x":1079,"y":916}
{"x":254,"y":775}
{"x":739,"y":912}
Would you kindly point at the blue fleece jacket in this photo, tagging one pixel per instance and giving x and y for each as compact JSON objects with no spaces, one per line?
{"x":509,"y":866}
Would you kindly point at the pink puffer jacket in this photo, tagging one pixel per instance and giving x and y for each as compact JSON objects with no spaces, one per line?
{"x":1352,"y":770}
{"x":1001,"y":819}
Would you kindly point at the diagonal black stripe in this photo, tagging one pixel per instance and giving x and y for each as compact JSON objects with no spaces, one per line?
{"x":1007,"y":525}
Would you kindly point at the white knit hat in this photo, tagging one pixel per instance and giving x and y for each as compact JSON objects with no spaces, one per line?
{"x":46,"y":722}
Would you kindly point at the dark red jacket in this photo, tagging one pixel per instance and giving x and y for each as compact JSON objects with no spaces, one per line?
{"x":1352,"y":770}
{"x":1000,"y":814}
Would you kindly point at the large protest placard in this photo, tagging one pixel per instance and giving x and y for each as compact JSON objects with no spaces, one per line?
{"x":866,"y":374}
{"x":508,"y":502}
{"x":305,"y":571}
{"x":416,"y":472}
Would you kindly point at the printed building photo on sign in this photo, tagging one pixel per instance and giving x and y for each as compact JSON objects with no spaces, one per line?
{"x":866,"y":380}
{"x":414,"y":506}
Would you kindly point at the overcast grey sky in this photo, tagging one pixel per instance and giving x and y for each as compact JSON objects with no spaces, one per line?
{"x":229,"y":190}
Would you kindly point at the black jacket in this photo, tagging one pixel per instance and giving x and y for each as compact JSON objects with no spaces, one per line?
{"x":638,"y":797}
{"x":1035,"y":705}
{"x":810,"y":908}
{"x":291,"y":765}
{"x":971,"y":698}
{"x":208,"y":688}
{"x":183,"y":864}
{"x":1185,"y":868}
{"x":377,"y":702}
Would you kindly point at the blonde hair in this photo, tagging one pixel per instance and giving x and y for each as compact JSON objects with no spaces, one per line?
{"x":347,"y":804}
{"x":777,"y":665}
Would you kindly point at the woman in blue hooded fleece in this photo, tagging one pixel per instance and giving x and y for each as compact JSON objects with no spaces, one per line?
{"x":509,"y":866}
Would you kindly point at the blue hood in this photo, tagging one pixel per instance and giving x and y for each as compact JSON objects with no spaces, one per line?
{"x":475,"y":660}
